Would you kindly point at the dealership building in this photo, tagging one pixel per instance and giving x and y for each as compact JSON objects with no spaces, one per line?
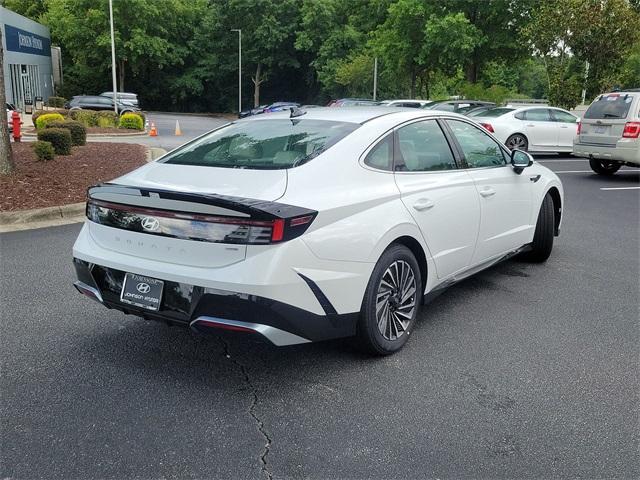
{"x":27,"y":63}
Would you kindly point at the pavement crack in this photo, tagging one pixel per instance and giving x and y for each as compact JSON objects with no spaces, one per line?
{"x":252,"y":410}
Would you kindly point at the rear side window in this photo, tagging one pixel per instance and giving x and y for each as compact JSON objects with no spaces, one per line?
{"x":495,"y":112}
{"x":262,"y":144}
{"x":613,"y":105}
{"x":381,"y":156}
{"x":536,"y":115}
{"x":422,"y":147}
{"x":563,"y":117}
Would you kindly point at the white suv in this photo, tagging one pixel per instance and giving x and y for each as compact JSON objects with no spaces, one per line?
{"x":609,"y":134}
{"x":311,"y":225}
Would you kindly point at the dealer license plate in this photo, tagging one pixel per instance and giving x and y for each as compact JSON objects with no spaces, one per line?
{"x":141,"y":291}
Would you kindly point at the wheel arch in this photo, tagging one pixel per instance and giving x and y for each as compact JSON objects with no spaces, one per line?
{"x":418,"y":251}
{"x":557,"y":208}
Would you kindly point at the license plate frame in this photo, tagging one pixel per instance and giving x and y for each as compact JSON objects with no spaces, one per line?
{"x":142,"y":291}
{"x":600,"y":129}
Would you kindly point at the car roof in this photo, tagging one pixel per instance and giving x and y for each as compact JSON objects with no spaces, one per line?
{"x":350,"y":114}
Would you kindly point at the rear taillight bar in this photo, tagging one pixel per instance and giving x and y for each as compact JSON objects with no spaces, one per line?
{"x":631,"y":130}
{"x":196,"y":226}
{"x":579,"y":128}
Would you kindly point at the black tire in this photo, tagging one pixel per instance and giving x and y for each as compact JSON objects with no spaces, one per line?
{"x":602,"y":167}
{"x":370,"y":337}
{"x":543,"y":237}
{"x":518,"y":141}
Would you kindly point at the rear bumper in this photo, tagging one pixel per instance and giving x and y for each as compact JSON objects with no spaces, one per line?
{"x":203,"y":308}
{"x":625,"y":151}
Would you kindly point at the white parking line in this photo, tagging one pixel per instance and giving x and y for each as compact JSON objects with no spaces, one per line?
{"x":565,"y":160}
{"x":620,"y":188}
{"x":590,"y":171}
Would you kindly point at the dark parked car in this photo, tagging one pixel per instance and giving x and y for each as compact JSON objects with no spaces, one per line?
{"x":279,"y":106}
{"x":352,"y":102}
{"x":98,"y":102}
{"x":457,"y":106}
{"x":124,"y":97}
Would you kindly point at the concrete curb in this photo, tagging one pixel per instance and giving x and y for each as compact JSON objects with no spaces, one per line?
{"x":54,"y":216}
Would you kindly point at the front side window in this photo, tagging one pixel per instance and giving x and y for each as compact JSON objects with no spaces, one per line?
{"x":479,"y":149}
{"x":262,"y":144}
{"x":422,"y":147}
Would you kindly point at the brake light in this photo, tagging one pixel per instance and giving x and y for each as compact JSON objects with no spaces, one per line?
{"x":277,"y":231}
{"x":488,"y":126}
{"x":631,"y":130}
{"x":579,"y":128}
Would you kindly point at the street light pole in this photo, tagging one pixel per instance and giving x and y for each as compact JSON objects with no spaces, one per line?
{"x":375,"y":78}
{"x":113,"y":58}
{"x":239,"y":30}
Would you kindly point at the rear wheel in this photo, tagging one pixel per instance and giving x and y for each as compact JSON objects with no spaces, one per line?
{"x":602,"y":167}
{"x":391,"y":302}
{"x":543,"y":237}
{"x":517,"y":141}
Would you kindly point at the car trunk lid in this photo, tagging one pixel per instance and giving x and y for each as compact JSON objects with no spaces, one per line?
{"x":603,"y":122}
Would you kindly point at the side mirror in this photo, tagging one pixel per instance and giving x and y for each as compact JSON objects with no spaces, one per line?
{"x":520,"y":160}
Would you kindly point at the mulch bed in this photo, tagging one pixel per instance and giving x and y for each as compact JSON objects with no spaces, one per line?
{"x":65,"y":179}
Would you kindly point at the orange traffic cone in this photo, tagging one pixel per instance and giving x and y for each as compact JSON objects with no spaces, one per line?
{"x":178,"y":131}
{"x":153,"y":132}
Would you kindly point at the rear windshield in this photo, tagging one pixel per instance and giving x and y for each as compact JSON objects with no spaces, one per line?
{"x":613,"y":105}
{"x":495,"y":112}
{"x":262,"y":144}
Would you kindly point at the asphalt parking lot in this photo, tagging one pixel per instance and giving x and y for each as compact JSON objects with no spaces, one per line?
{"x":522,"y":371}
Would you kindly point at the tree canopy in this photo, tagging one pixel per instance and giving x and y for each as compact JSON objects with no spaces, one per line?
{"x":182,"y":54}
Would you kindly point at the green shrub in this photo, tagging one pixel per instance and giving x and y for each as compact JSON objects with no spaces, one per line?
{"x":44,"y":150}
{"x":131,"y":121}
{"x":142,"y":116}
{"x":43,"y":120}
{"x":76,"y":129}
{"x":57,"y":102}
{"x":88,"y":118}
{"x":60,"y":138}
{"x":107,"y":119}
{"x":38,"y":113}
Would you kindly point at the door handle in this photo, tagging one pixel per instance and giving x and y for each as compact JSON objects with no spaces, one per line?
{"x":564,"y":126}
{"x":530,"y":125}
{"x":423,"y":204}
{"x":487,"y":192}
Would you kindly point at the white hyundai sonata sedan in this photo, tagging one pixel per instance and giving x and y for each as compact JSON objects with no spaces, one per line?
{"x":310,"y":225}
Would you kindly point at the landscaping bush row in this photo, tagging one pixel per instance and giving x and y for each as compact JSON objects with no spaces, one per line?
{"x":90,"y":118}
{"x":76,"y":129}
{"x":56,"y":102}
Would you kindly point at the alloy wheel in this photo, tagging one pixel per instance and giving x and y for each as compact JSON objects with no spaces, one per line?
{"x":396,"y":300}
{"x":517,"y":142}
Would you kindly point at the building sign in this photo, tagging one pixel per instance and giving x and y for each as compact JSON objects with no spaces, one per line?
{"x":19,"y":40}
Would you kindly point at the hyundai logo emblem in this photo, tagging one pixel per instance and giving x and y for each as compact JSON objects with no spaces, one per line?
{"x":151,"y":224}
{"x":143,"y":287}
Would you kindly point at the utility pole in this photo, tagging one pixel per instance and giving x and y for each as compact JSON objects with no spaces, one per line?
{"x":6,"y":159}
{"x":375,"y":78}
{"x":586,"y":75}
{"x":113,"y":59}
{"x":239,"y":30}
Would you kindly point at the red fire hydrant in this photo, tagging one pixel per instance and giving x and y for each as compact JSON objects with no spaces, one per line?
{"x":16,"y":122}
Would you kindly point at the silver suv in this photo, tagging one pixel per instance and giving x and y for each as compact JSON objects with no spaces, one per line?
{"x":609,"y":133}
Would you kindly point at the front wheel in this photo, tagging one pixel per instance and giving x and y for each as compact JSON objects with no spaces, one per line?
{"x":602,"y":167}
{"x":543,"y":237}
{"x":391,"y":302}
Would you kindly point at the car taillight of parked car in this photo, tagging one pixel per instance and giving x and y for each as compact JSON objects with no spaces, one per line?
{"x":631,"y":130}
{"x":488,"y":127}
{"x":579,"y":128}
